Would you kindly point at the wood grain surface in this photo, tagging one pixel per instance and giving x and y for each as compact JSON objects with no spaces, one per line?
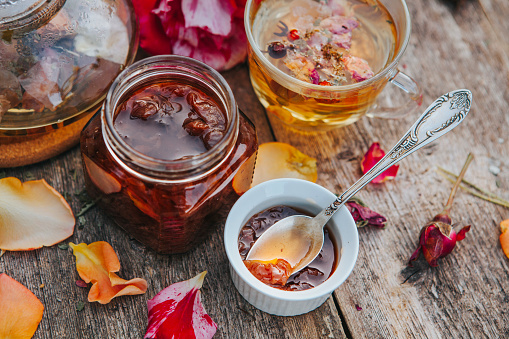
{"x":465,"y":297}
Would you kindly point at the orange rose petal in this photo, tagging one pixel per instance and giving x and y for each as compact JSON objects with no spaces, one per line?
{"x":20,"y":310}
{"x":96,"y":263}
{"x":504,"y":225}
{"x":33,"y":214}
{"x":504,"y":237}
{"x":280,"y":160}
{"x":107,"y":289}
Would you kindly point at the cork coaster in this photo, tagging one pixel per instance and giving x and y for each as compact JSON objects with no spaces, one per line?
{"x":25,"y":150}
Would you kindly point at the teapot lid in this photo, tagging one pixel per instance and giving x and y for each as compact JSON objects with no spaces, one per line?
{"x":21,"y":16}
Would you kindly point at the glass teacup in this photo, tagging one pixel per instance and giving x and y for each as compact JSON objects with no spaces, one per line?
{"x":311,"y":106}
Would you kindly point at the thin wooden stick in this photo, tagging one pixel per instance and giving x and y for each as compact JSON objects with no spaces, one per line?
{"x":474,"y":190}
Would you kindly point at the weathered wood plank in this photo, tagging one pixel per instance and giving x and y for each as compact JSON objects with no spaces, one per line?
{"x":466,"y":296}
{"x":496,"y":12}
{"x":126,"y":317}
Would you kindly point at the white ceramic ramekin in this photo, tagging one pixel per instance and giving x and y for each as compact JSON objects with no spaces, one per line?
{"x":304,"y":195}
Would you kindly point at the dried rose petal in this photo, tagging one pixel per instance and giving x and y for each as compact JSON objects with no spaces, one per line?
{"x":363,"y":216}
{"x":358,"y":68}
{"x":33,"y":214}
{"x":42,"y":80}
{"x":437,"y":240}
{"x":372,"y":156}
{"x":81,"y":283}
{"x":177,"y":312}
{"x":280,"y":160}
{"x":20,"y":310}
{"x":96,"y":263}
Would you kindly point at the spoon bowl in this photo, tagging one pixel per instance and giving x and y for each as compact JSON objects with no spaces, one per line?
{"x":299,"y":239}
{"x":294,"y":239}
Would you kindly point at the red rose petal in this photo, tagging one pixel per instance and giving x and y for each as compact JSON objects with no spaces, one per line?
{"x":372,"y":156}
{"x":177,"y":312}
{"x":81,"y":283}
{"x":152,"y":36}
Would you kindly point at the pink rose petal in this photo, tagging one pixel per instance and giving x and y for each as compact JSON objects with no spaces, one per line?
{"x":214,"y":16}
{"x":209,"y":31}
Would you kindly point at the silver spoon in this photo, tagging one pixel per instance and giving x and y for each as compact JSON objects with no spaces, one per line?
{"x":298,"y":239}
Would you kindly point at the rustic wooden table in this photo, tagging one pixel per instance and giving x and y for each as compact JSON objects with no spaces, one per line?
{"x":466,"y":296}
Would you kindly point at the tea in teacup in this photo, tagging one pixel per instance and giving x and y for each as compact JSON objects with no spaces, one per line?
{"x":321,"y":64}
{"x":336,"y":42}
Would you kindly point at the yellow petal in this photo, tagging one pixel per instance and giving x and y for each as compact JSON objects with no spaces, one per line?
{"x":20,"y":310}
{"x":242,"y":179}
{"x":32,"y":215}
{"x":280,"y":160}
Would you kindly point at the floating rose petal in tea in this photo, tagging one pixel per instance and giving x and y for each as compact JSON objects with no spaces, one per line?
{"x":96,"y":263}
{"x":372,"y":156}
{"x":20,"y":310}
{"x":177,"y":312}
{"x":33,"y":214}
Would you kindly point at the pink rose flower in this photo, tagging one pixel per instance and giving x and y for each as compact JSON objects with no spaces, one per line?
{"x":211,"y":31}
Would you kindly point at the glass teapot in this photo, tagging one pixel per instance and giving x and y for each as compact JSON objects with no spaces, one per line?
{"x":58,"y":59}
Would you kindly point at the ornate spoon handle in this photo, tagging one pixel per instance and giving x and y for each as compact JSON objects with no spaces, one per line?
{"x":438,"y":119}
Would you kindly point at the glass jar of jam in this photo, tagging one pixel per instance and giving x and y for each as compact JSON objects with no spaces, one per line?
{"x":169,"y":150}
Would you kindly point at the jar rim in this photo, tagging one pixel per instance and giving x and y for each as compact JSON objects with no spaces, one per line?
{"x":191,"y":166}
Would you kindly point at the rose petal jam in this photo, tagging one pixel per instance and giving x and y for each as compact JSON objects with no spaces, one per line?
{"x":275,"y":274}
{"x":162,"y":157}
{"x":170,"y":121}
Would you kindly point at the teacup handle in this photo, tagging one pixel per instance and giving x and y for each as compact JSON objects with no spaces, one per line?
{"x":413,"y":93}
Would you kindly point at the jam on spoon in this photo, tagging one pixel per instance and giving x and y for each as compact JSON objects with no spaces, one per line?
{"x":276,"y":273}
